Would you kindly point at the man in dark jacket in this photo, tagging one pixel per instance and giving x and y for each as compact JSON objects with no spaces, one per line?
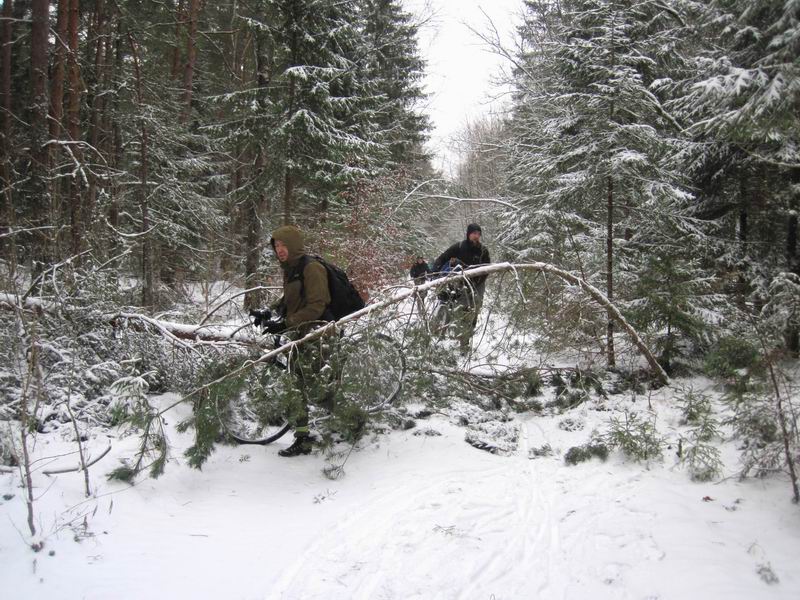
{"x":305,"y":300}
{"x":419,"y":274}
{"x":467,"y":253}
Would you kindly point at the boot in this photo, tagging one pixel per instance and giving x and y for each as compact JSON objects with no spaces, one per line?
{"x":301,"y":445}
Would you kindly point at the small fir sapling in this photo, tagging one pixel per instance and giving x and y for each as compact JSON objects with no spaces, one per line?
{"x":637,"y":438}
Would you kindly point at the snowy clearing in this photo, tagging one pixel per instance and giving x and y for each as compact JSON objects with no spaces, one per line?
{"x":417,"y":515}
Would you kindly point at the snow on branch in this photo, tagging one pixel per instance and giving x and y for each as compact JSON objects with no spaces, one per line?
{"x":413,"y":290}
{"x":243,"y":334}
{"x":457,"y":199}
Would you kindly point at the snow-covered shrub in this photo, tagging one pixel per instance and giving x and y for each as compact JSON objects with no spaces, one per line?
{"x":702,"y":459}
{"x":493,"y":435}
{"x":731,"y":354}
{"x":637,"y":438}
{"x":695,"y":406}
{"x":540,"y":451}
{"x":592,"y":449}
{"x":755,"y":423}
{"x":571,"y":424}
{"x":76,"y":363}
{"x":133,"y":410}
{"x":781,"y":314}
{"x":8,"y":456}
{"x":698,"y":452}
{"x":696,"y":449}
{"x":576,"y":389}
{"x":526,"y":405}
{"x":128,"y":394}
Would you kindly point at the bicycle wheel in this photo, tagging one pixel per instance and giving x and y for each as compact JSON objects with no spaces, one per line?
{"x":373,"y":367}
{"x":257,"y":414}
{"x":442,"y":320}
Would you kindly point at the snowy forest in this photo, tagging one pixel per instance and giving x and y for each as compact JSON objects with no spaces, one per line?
{"x":640,"y":330}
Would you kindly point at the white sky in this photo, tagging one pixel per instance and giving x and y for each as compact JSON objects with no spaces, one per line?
{"x":461,"y":67}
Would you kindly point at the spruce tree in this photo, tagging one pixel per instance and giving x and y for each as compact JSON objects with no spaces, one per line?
{"x":317,"y":120}
{"x":394,"y":64}
{"x":592,"y":136}
{"x":742,"y":111}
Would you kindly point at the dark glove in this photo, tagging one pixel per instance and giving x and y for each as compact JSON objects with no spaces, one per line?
{"x":274,"y":327}
{"x":260,"y":317}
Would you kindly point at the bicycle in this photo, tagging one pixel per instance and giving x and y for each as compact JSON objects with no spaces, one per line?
{"x":257,"y":414}
{"x":452,"y":300}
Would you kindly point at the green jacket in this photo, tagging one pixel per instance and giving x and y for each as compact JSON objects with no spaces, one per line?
{"x":306,"y":296}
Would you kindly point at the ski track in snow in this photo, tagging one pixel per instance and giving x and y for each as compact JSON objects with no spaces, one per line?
{"x":509,"y":528}
{"x":415,"y":517}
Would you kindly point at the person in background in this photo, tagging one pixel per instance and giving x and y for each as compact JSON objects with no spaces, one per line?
{"x":467,"y":253}
{"x":419,"y":275}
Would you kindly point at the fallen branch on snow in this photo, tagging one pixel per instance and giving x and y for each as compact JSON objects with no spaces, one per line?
{"x":79,"y":468}
{"x":222,"y":333}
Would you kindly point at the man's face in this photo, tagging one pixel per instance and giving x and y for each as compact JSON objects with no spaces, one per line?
{"x":281,"y":251}
{"x":420,"y":260}
{"x":475,"y":237}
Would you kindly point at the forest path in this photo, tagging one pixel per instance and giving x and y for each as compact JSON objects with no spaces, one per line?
{"x":466,"y":524}
{"x":415,"y":516}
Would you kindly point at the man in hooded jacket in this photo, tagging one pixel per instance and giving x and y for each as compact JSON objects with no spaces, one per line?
{"x":306,"y":297}
{"x":467,"y":253}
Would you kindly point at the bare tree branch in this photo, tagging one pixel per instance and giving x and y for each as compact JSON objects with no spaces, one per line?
{"x":80,"y":467}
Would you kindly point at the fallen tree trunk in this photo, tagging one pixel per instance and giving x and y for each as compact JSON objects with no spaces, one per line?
{"x":413,"y":290}
{"x":592,"y":291}
{"x":178,"y":331}
{"x":223,"y":333}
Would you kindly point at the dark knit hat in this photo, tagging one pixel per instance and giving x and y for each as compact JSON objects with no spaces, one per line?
{"x":473,"y":227}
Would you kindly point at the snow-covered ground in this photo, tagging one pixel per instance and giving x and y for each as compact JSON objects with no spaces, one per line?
{"x":416,"y":515}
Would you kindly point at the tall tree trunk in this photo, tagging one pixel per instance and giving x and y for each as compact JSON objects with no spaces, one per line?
{"x":96,"y":105}
{"x":288,"y":180}
{"x":6,"y":32}
{"x":264,"y":62}
{"x":37,"y":199}
{"x":611,"y":355}
{"x":56,"y":120}
{"x":114,"y":60}
{"x":78,"y":217}
{"x":176,"y":51}
{"x":742,"y":231}
{"x":253,"y":215}
{"x":58,"y":74}
{"x":6,"y":39}
{"x":148,"y":286}
{"x":288,"y":192}
{"x":191,"y":58}
{"x":792,"y":333}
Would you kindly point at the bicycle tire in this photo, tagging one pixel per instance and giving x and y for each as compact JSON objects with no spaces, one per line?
{"x":371,"y":384}
{"x":373,"y":371}
{"x":247,"y":419}
{"x":442,"y":320}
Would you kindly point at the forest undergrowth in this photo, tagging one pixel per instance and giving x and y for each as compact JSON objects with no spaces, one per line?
{"x":77,"y":371}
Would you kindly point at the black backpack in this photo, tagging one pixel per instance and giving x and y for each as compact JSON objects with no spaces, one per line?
{"x":345,"y":298}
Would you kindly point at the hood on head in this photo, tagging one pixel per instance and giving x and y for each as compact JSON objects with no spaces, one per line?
{"x":292,"y":237}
